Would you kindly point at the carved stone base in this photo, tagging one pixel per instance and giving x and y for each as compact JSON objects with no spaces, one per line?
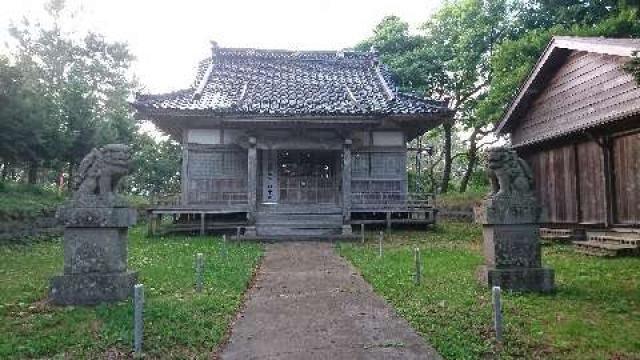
{"x":95,"y":250}
{"x":90,"y":289}
{"x":518,"y":279}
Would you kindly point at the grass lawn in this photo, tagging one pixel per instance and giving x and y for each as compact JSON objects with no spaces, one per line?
{"x":178,"y":322}
{"x":22,"y":201}
{"x":595,"y":314}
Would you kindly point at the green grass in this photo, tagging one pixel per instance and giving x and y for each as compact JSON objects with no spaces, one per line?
{"x":24,"y":202}
{"x":460,"y":201}
{"x":179,"y":323}
{"x":595,"y":313}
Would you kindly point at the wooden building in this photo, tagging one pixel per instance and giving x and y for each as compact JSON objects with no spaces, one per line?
{"x":576,"y":120}
{"x":282,"y":142}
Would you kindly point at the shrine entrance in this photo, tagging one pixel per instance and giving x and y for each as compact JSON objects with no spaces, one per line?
{"x":301,"y":177}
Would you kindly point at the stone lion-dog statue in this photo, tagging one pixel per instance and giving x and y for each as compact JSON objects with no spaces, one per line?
{"x":509,"y":174}
{"x":101,"y":170}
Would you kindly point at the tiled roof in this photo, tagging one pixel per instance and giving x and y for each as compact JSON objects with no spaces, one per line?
{"x":286,"y":83}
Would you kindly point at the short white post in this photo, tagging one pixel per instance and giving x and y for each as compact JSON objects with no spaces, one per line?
{"x":224,"y":250}
{"x":418,"y":260}
{"x":138,"y":322}
{"x":362,"y":233}
{"x":497,"y":312}
{"x":380,"y":240}
{"x":199,"y":270}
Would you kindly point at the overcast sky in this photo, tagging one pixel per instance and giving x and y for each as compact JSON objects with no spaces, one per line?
{"x":170,"y":37}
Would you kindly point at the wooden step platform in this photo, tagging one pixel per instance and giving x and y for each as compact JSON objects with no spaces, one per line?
{"x":548,"y":235}
{"x":610,"y":243}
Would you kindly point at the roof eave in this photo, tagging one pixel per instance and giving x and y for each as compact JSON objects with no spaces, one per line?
{"x":558,"y":44}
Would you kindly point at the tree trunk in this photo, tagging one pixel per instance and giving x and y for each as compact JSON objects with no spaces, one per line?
{"x":472,"y":159}
{"x":446,"y":172}
{"x":70,"y":181}
{"x":32,"y":174}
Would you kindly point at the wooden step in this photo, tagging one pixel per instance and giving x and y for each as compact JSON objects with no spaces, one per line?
{"x":290,"y":230}
{"x":613,"y":237}
{"x":599,"y":248}
{"x":561,"y":235}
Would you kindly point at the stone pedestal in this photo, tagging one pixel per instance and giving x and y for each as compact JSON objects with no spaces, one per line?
{"x":512,"y":245}
{"x":95,"y":252}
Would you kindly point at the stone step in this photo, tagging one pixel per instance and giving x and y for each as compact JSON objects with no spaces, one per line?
{"x":289,"y":230}
{"x":598,"y":248}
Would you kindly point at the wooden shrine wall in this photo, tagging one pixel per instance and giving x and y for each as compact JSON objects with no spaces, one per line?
{"x":626,"y":174}
{"x":216,"y":174}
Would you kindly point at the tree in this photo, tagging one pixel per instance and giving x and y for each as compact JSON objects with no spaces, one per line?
{"x":450,"y":59}
{"x":515,"y":58}
{"x":156,"y":166}
{"x":79,"y":87}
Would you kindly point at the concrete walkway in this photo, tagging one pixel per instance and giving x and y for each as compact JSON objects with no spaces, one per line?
{"x":309,"y":303}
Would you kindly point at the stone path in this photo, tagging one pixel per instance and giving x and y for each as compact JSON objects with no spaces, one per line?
{"x":309,"y":303}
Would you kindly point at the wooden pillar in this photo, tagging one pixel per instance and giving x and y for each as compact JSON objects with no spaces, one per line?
{"x":203,"y":228}
{"x":149,"y":223}
{"x":607,"y":165}
{"x":252,"y":181}
{"x":184,"y":178}
{"x":346,"y":181}
{"x":388,"y":220}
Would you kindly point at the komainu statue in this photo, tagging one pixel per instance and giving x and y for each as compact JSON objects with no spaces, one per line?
{"x":509,"y":174}
{"x":101,"y":170}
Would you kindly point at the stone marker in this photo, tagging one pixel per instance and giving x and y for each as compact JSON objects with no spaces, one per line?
{"x":417,"y":276}
{"x":497,"y":312}
{"x":95,"y":233}
{"x":380,"y":240}
{"x":362,"y":233}
{"x":138,"y":319}
{"x":510,"y":222}
{"x":225,"y":250}
{"x":199,"y":271}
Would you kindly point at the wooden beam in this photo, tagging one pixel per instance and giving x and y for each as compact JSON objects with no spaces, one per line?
{"x":184,"y":178}
{"x":346,"y":181}
{"x":607,"y":164}
{"x":252,"y":179}
{"x":203,"y":225}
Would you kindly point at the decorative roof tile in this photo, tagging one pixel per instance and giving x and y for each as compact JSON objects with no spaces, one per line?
{"x":288,"y":83}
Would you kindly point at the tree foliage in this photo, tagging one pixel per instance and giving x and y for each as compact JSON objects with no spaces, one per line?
{"x":477,"y":53}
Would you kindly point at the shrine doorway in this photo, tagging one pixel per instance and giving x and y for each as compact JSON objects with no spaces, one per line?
{"x":301,"y":177}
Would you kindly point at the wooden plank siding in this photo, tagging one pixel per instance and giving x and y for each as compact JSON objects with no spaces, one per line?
{"x":591,"y":183}
{"x":588,"y":89}
{"x":556,"y":183}
{"x":216,"y":174}
{"x":626,"y":173}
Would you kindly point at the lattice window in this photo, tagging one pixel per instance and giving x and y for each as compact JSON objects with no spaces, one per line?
{"x":378,"y":165}
{"x":204,"y":164}
{"x":360,"y":165}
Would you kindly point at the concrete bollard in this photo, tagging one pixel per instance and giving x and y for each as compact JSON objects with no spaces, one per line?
{"x":497,"y":312}
{"x":362,"y":233}
{"x":380,"y":246}
{"x":418,"y":260}
{"x":199,"y":271}
{"x":138,"y":321}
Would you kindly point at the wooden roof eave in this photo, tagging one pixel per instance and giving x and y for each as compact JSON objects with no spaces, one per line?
{"x":179,"y":118}
{"x":557,"y":50}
